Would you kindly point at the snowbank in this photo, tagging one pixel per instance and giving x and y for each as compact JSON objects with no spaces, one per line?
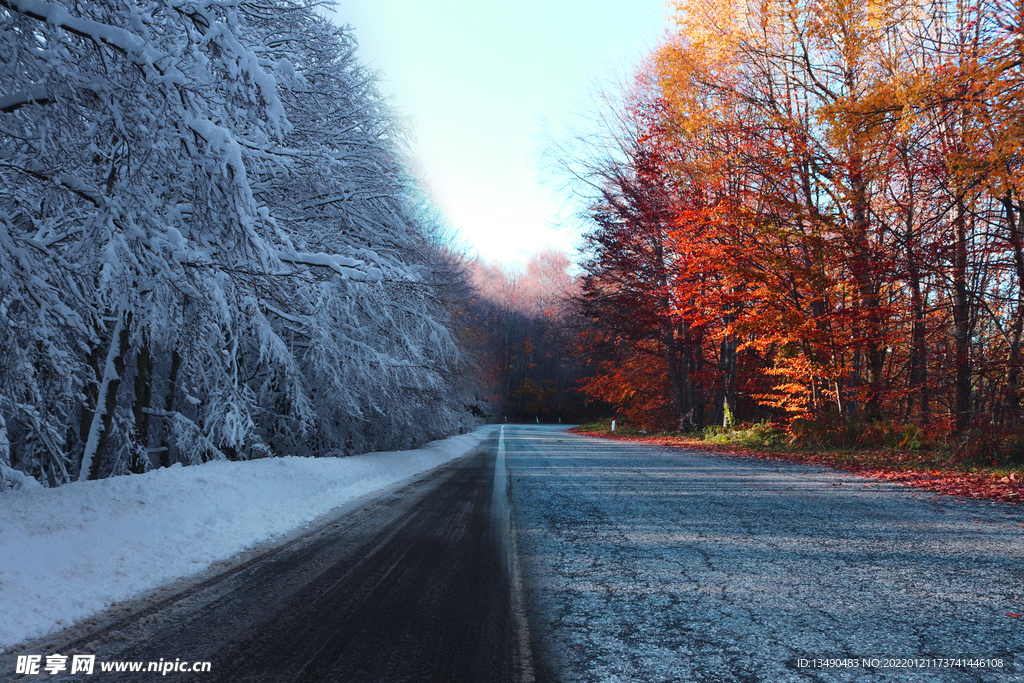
{"x":69,"y":552}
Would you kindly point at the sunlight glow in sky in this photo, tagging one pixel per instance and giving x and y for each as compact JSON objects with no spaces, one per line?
{"x":482,"y":85}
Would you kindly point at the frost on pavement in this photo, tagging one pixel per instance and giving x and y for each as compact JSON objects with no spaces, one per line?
{"x":652,"y":565}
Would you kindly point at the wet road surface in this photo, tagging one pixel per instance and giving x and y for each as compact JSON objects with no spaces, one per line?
{"x":412,"y":587}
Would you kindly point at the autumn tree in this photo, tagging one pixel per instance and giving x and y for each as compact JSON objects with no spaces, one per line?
{"x":836,"y":214}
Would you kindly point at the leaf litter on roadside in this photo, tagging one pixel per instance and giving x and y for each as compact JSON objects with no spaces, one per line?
{"x":983,"y":485}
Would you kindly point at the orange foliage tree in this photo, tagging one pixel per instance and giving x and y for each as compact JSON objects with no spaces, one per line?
{"x":814,"y":215}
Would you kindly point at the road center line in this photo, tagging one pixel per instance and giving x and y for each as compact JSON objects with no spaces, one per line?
{"x":502,"y":513}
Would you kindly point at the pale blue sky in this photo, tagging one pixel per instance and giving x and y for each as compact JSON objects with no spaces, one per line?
{"x":482,"y":84}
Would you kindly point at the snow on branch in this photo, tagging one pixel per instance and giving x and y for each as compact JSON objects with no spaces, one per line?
{"x":15,"y":101}
{"x":127,"y":43}
{"x":147,"y":215}
{"x":349,"y":268}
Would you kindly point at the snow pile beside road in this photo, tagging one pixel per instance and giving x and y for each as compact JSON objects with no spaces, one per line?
{"x":69,"y":552}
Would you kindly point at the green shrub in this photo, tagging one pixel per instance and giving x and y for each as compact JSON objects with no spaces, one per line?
{"x":757,"y":435}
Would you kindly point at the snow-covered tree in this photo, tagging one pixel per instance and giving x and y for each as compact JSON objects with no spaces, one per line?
{"x":205,"y":243}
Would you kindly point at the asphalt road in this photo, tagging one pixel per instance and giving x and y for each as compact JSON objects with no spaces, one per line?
{"x":412,"y":586}
{"x":649,"y":564}
{"x":632,"y":563}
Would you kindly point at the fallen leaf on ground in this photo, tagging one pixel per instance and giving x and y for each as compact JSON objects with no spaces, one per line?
{"x":950,"y":483}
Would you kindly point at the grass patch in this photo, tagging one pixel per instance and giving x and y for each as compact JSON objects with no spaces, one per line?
{"x":760,"y":435}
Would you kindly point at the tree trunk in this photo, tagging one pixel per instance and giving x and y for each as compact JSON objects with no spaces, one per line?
{"x":1013,"y":364}
{"x":919,"y":348}
{"x":172,"y":388}
{"x":143,"y":395}
{"x":961,"y":322}
{"x":725,"y":396}
{"x":106,"y":401}
{"x":917,"y":380}
{"x":873,"y":346}
{"x":5,"y":452}
{"x":675,"y":377}
{"x":91,"y":391}
{"x":694,"y":359}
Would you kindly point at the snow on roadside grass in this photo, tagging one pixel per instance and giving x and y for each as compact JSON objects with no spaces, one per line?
{"x":69,"y":552}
